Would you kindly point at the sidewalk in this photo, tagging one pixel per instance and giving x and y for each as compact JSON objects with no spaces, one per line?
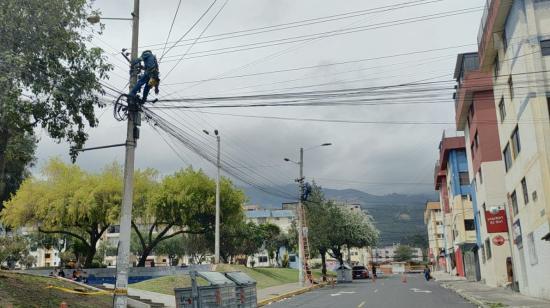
{"x":276,"y":293}
{"x":486,"y":296}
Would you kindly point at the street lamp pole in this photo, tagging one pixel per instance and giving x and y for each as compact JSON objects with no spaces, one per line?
{"x":299,"y":212}
{"x":217,"y":223}
{"x":217,"y":226}
{"x":300,"y":222}
{"x":123,"y":254}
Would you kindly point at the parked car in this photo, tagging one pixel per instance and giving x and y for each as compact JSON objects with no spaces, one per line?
{"x":360,"y":272}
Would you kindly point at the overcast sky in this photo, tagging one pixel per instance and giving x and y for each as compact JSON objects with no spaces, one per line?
{"x":376,"y":158}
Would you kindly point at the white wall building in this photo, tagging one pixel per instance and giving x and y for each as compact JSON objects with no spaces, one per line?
{"x":514,"y":44}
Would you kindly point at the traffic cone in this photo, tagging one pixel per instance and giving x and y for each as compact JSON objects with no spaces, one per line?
{"x":63,"y":305}
{"x":403,"y":278}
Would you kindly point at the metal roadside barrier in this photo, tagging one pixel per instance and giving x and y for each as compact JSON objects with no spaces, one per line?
{"x":245,"y":290}
{"x":219,"y":293}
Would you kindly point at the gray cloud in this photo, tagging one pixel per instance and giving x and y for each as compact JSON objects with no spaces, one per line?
{"x":361,"y":154}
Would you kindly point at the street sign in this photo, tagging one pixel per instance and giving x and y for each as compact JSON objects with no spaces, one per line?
{"x":498,"y":240}
{"x":496,"y":221}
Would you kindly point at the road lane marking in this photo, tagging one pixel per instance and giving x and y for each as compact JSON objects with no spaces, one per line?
{"x":347,"y":292}
{"x":336,"y":294}
{"x":375,"y":290}
{"x":415,"y":290}
{"x":361,"y":305}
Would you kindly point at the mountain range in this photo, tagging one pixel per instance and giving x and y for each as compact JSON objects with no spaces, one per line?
{"x":398,"y":217}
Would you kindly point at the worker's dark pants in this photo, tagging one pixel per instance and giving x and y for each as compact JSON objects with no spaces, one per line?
{"x":143,"y":80}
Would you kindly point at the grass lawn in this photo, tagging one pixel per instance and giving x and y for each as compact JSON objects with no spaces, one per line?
{"x":22,"y":290}
{"x":265,"y":278}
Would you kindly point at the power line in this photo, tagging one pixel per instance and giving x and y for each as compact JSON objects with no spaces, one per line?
{"x":193,"y":44}
{"x":192,"y":26}
{"x":302,"y":38}
{"x":170,"y":31}
{"x":301,"y":23}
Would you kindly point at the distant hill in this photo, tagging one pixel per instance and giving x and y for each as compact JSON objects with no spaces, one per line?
{"x":397,"y":216}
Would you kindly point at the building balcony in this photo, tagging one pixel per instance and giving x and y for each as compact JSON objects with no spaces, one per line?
{"x":474,"y":81}
{"x":492,"y":22}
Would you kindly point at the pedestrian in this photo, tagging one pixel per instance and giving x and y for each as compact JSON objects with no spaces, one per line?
{"x":61,"y":273}
{"x":374,"y":271}
{"x":150,"y":77}
{"x":427,"y":273}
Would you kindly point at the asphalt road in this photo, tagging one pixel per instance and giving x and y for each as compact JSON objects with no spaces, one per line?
{"x":388,"y":292}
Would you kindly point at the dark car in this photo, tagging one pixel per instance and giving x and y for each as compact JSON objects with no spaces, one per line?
{"x":360,"y":272}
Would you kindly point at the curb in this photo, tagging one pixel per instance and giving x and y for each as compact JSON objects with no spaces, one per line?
{"x":467,"y":297}
{"x":267,"y":301}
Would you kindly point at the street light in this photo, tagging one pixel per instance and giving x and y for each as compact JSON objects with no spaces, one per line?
{"x":217,"y":224}
{"x":299,"y":210}
{"x":94,"y":19}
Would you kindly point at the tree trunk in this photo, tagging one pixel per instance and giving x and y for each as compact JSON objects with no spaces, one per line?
{"x":146,"y":252}
{"x":90,"y":255}
{"x":324,"y":264}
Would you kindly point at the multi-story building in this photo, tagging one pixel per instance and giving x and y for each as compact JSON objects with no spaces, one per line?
{"x":433,"y":218}
{"x":476,"y":116}
{"x":387,"y":254}
{"x":452,"y":181}
{"x":514,"y":46}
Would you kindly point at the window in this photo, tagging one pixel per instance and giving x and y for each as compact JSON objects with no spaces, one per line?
{"x":114,"y":229}
{"x":476,"y":139}
{"x":507,"y":157}
{"x":262,"y":259}
{"x":473,"y":150}
{"x":545,"y":47}
{"x":469,"y":225}
{"x":502,"y":109}
{"x":533,"y":258}
{"x":47,"y":255}
{"x":488,"y":251}
{"x":514,"y":199}
{"x":511,"y":87}
{"x":483,"y":256}
{"x":496,"y":67}
{"x":464,"y":178}
{"x":480,"y":176}
{"x":524,"y":191}
{"x":516,"y":143}
{"x":292,"y":259}
{"x":548,"y":101}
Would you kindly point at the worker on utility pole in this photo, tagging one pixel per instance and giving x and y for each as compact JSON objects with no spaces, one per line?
{"x":149,"y":78}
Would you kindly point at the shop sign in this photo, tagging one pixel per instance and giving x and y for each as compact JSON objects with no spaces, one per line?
{"x":498,"y":240}
{"x":496,"y":221}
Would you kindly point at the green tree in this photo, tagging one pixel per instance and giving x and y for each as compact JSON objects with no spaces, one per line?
{"x":68,"y":201}
{"x":183,"y":203}
{"x":271,"y":239}
{"x":174,"y":248}
{"x":49,"y":78}
{"x":403,"y":253}
{"x":197,"y":247}
{"x":332,"y":228}
{"x":19,"y":156}
{"x":13,"y":249}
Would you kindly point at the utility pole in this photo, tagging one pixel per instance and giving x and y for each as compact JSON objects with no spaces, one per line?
{"x":300,"y":222}
{"x":134,"y":118}
{"x":217,"y":223}
{"x":217,"y":232}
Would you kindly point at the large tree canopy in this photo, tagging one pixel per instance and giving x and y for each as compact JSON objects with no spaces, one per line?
{"x":68,"y":201}
{"x":183,"y":202}
{"x":49,"y":78}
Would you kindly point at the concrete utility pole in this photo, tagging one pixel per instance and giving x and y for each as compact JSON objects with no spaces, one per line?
{"x":217,"y":223}
{"x":217,"y":234}
{"x":123,"y":256}
{"x":300,"y":222}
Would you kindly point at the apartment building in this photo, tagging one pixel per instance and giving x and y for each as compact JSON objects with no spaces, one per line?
{"x":514,"y":47}
{"x":451,"y":179}
{"x":433,"y":219}
{"x":476,"y":116}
